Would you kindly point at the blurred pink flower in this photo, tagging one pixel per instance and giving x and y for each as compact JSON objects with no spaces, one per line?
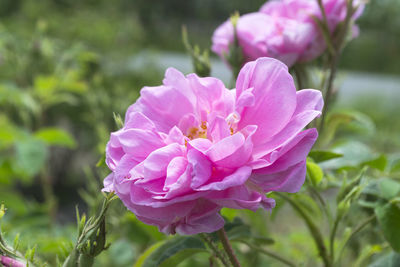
{"x":190,"y":146}
{"x":283,"y":29}
{"x":10,"y":262}
{"x":261,"y":35}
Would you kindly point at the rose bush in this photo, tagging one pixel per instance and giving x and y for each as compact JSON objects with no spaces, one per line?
{"x":190,"y":146}
{"x":284,"y":29}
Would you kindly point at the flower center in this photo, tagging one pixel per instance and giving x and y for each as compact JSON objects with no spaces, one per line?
{"x":198,"y":132}
{"x":233,"y":120}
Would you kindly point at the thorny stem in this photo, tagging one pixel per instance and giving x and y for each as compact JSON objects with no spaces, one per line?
{"x":270,"y":253}
{"x":314,"y":230}
{"x":228,"y":248}
{"x":214,"y":248}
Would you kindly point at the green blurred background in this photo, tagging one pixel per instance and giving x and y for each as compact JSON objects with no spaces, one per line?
{"x":66,"y":67}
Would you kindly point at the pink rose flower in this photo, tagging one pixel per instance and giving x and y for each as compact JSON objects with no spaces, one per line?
{"x":282,"y":29}
{"x":304,"y":10}
{"x":261,"y":35}
{"x":190,"y":146}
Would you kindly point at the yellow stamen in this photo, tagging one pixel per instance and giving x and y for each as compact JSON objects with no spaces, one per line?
{"x":194,"y":132}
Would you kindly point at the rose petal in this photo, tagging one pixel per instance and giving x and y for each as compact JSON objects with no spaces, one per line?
{"x":275,"y":96}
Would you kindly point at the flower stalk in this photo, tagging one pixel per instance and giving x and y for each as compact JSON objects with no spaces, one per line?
{"x":335,"y":48}
{"x":200,"y":60}
{"x":228,"y":248}
{"x":353,"y":233}
{"x":216,"y":251}
{"x":314,"y":230}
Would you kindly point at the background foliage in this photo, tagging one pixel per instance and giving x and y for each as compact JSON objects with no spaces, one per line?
{"x":66,"y":66}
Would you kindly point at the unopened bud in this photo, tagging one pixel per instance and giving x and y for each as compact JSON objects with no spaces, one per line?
{"x":343,"y":208}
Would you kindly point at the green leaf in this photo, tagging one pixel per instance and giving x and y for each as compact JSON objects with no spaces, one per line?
{"x":354,"y":154}
{"x":314,"y":172}
{"x":361,"y":123}
{"x":391,"y":259}
{"x":239,"y":232}
{"x":122,"y":252}
{"x":45,"y":85}
{"x":236,"y":222}
{"x":389,"y":219}
{"x":142,"y":259}
{"x":389,"y":188}
{"x":56,"y":137}
{"x":179,"y":257}
{"x":395,"y":166}
{"x":13,"y":201}
{"x":333,"y":122}
{"x":6,"y":171}
{"x":368,"y":204}
{"x":379,"y":163}
{"x":384,"y":188}
{"x":102,"y":161}
{"x":9,"y":133}
{"x":352,"y":120}
{"x":171,"y":251}
{"x":229,"y":214}
{"x":140,"y":231}
{"x":31,"y":155}
{"x":320,"y":155}
{"x":119,"y":122}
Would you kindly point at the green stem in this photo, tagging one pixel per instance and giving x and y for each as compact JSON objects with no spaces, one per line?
{"x":328,"y":91}
{"x":312,"y":227}
{"x":228,"y":248}
{"x":215,"y":249}
{"x":85,"y":260}
{"x":340,"y":40}
{"x":299,"y":78}
{"x":321,"y":7}
{"x":325,"y":31}
{"x":332,"y":238}
{"x":335,"y":54}
{"x":72,"y":259}
{"x":323,"y":204}
{"x":354,"y":232}
{"x":270,"y":253}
